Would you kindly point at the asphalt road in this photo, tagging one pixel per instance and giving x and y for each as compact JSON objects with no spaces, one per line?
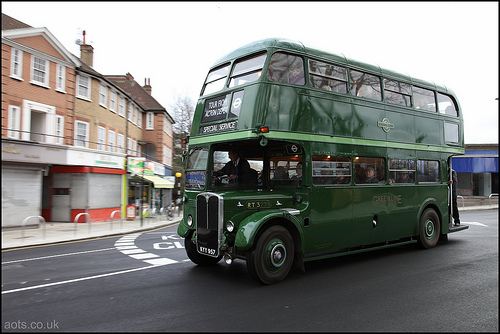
{"x":145,"y":282}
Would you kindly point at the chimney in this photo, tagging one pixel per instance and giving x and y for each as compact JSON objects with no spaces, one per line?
{"x":129,"y":76}
{"x":147,"y":85}
{"x":87,"y":52}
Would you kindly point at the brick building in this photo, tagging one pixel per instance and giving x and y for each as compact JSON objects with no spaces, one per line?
{"x":67,"y":132}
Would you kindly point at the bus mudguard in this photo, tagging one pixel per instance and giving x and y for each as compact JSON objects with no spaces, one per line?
{"x":182,"y":229}
{"x":250,"y":226}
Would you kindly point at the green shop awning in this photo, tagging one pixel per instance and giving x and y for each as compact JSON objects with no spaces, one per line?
{"x":157,"y":181}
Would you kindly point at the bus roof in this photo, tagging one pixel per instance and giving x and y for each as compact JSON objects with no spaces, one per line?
{"x":340,"y":59}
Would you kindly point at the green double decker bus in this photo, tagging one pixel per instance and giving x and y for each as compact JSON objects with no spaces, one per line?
{"x":296,"y":154}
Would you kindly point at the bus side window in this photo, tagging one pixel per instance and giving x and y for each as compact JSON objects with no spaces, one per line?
{"x":424,"y":99}
{"x":365,"y":85}
{"x":446,"y":105}
{"x":401,"y":171}
{"x":428,"y":171}
{"x":369,"y":170}
{"x":286,"y":68}
{"x":329,"y":170}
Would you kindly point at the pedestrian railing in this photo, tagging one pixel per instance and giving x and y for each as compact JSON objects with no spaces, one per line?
{"x":111,"y":219}
{"x":463,"y":200}
{"x":491,"y":195}
{"x":87,"y":221}
{"x":40,"y":219}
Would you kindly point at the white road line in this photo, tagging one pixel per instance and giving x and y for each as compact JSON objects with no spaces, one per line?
{"x":80,"y":279}
{"x":59,"y":255}
{"x":126,"y":245}
{"x":474,"y":223}
{"x":132,"y":251}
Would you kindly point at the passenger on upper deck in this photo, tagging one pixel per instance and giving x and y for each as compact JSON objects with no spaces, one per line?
{"x":297,"y":76}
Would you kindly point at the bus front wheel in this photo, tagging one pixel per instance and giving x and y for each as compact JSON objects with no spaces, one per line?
{"x":271,"y":258}
{"x":429,"y":228}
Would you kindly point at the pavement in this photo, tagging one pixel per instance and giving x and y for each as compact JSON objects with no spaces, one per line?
{"x":56,"y":232}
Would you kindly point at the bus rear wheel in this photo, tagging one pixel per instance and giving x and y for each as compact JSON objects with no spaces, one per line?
{"x":271,"y":259}
{"x":195,"y":257}
{"x":429,"y":228}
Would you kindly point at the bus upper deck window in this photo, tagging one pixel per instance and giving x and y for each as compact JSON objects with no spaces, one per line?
{"x":446,"y":105}
{"x":215,"y":80}
{"x":247,"y":70}
{"x":424,"y":99}
{"x":286,"y":68}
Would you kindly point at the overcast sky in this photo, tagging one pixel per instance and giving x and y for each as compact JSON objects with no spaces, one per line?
{"x":175,"y":43}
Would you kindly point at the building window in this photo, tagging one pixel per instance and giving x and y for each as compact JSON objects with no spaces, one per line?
{"x":150,"y":117}
{"x":39,"y":71}
{"x":83,"y":88}
{"x":61,"y":78}
{"x":112,"y":101}
{"x":59,"y":129}
{"x":167,"y":156}
{"x":82,"y":134}
{"x":121,"y":107}
{"x":129,"y":146}
{"x":103,"y":96}
{"x":167,"y":126}
{"x":101,"y":138}
{"x":121,"y":142}
{"x":14,"y":122}
{"x":135,"y":115}
{"x":129,"y":111}
{"x":111,"y":141}
{"x":16,"y":69}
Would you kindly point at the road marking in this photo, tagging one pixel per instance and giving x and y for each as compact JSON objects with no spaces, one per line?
{"x":126,"y":245}
{"x":474,"y":223}
{"x":80,"y":279}
{"x":59,"y":255}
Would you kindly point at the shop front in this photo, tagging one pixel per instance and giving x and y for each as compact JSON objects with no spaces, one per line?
{"x":147,"y":189}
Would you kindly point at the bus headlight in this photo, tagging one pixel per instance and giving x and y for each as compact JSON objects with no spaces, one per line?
{"x":229,"y":226}
{"x":189,"y":220}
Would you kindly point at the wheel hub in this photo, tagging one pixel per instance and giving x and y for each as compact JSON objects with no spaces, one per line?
{"x":278,"y":255}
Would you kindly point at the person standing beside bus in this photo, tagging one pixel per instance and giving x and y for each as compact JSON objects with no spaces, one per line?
{"x":454,"y":183}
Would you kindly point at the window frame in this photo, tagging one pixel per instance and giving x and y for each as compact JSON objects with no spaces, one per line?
{"x":35,"y":72}
{"x":359,"y":89}
{"x":60,"y":78}
{"x":103,"y":95}
{"x":14,"y":122}
{"x":85,"y":135}
{"x":16,"y":64}
{"x":87,"y":86}
{"x":334,"y":164}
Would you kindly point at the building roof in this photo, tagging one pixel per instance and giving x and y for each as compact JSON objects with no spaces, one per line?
{"x":9,"y":23}
{"x":143,"y":98}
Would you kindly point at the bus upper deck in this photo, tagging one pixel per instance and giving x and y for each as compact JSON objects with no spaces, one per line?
{"x":287,"y":87}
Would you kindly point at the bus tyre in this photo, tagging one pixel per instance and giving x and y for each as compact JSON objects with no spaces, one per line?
{"x":429,"y":228}
{"x":271,"y":258}
{"x":195,"y":257}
